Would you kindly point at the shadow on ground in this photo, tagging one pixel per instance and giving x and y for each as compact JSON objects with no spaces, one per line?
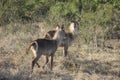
{"x":93,"y":66}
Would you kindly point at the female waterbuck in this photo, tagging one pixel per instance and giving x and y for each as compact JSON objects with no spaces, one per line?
{"x":46,"y":47}
{"x":71,"y":34}
{"x":50,"y":34}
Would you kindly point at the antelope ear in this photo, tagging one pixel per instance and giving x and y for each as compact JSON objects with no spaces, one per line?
{"x":57,"y":26}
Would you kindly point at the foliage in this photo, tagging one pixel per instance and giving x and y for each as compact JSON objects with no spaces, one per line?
{"x":97,"y":16}
{"x":12,"y":10}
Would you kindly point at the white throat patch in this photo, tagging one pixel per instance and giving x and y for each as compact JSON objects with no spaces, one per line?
{"x":71,"y":28}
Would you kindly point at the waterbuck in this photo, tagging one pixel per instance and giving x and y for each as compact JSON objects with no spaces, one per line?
{"x":50,"y":34}
{"x":71,"y":35}
{"x":46,"y":47}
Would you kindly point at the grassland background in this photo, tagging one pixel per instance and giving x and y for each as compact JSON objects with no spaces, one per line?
{"x":94,"y":55}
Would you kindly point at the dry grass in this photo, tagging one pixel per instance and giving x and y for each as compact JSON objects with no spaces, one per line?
{"x":82,"y":63}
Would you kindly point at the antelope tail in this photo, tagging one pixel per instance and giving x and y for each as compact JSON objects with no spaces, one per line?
{"x":32,"y":44}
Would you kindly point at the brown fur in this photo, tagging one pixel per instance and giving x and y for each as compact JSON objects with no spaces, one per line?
{"x":50,"y":34}
{"x":71,"y":35}
{"x":46,"y":47}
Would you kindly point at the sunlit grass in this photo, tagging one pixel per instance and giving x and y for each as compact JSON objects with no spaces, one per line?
{"x":81,"y":63}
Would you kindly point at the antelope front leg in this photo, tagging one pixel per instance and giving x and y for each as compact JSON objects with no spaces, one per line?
{"x":45,"y":62}
{"x":51,"y":62}
{"x":65,"y":51}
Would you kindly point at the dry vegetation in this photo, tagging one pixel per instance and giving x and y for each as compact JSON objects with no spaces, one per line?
{"x":83,"y":62}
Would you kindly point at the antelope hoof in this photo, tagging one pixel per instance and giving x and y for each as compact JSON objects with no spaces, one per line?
{"x":38,"y":66}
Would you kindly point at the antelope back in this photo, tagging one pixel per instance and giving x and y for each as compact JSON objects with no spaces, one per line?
{"x":60,"y":34}
{"x":50,"y":34}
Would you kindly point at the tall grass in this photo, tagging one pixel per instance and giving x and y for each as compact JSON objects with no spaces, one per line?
{"x":80,"y":63}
